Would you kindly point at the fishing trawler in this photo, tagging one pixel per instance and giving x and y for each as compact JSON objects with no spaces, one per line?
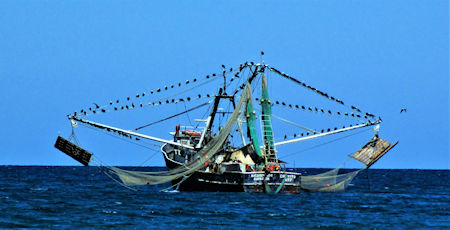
{"x":226,"y":151}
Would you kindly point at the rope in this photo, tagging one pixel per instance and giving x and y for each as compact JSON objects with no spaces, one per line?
{"x":318,"y":110}
{"x":269,"y":190}
{"x":213,"y":77}
{"x":177,"y":184}
{"x":318,"y":91}
{"x":167,"y":118}
{"x":74,"y":136}
{"x":322,"y":144}
{"x":102,"y":169}
{"x":292,"y":123}
{"x":187,"y":114}
{"x":281,"y":186}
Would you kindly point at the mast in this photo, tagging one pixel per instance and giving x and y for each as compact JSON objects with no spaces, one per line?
{"x":222,"y":94}
{"x":269,"y":147}
{"x":214,"y":111}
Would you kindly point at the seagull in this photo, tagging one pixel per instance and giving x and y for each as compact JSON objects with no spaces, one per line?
{"x":403,"y":110}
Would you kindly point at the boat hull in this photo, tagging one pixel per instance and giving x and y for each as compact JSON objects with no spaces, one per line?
{"x":233,"y":179}
{"x":258,"y":182}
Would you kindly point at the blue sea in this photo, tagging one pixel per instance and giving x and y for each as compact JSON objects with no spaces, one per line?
{"x":84,"y":197}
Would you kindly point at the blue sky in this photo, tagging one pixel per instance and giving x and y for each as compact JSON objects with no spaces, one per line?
{"x":57,"y":57}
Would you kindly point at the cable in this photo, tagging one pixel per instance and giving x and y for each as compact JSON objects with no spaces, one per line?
{"x":167,"y":118}
{"x":319,"y":145}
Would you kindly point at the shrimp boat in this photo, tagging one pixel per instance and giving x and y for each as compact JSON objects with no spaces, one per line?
{"x":233,"y":149}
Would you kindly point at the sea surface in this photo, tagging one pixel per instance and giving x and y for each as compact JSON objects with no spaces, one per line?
{"x":84,"y":197}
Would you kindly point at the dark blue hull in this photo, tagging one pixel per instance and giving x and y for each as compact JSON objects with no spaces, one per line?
{"x":232,"y":178}
{"x":273,"y":182}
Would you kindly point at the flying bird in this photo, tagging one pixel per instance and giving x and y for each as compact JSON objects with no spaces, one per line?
{"x":403,"y":110}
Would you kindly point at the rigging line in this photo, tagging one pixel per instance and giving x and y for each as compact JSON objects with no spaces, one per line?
{"x":321,"y":144}
{"x":155,"y":151}
{"x":167,"y":118}
{"x":149,"y":143}
{"x":117,"y":181}
{"x":244,"y":72}
{"x":294,"y":124}
{"x":184,"y":91}
{"x":322,"y":110}
{"x":203,"y":83}
{"x":317,"y":91}
{"x":234,"y":76}
{"x":101,"y":165}
{"x":160,"y":99}
{"x":250,"y":74}
{"x":225,"y":113}
{"x":241,"y":79}
{"x":257,"y":86}
{"x":249,"y":77}
{"x":290,"y":122}
{"x":185,"y":177}
{"x":74,"y":136}
{"x":187,"y":114}
{"x":104,"y":169}
{"x":235,"y":89}
{"x":149,"y":158}
{"x":204,"y":115}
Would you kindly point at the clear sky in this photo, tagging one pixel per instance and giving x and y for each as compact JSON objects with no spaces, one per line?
{"x":57,"y":57}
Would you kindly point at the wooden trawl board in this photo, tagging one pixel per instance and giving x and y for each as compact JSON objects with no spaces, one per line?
{"x":74,"y":151}
{"x":370,"y":151}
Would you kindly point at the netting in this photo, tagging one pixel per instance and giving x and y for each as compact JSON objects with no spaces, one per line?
{"x":205,"y":154}
{"x":329,"y":181}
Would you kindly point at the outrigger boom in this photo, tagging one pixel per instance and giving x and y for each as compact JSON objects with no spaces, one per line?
{"x":328,"y":133}
{"x":102,"y":126}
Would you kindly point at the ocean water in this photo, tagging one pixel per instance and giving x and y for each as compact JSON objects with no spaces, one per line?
{"x":84,"y":197}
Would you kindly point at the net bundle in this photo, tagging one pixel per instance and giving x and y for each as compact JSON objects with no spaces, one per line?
{"x":131,"y":178}
{"x":329,"y":181}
